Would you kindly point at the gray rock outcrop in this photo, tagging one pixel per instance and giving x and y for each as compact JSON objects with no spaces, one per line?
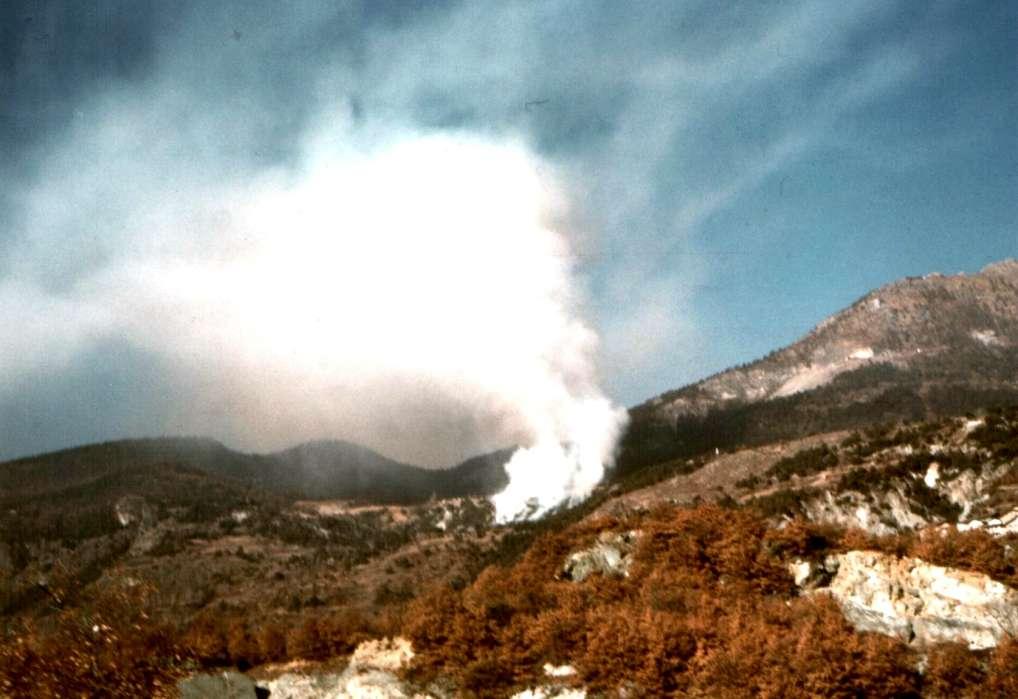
{"x":610,"y":555}
{"x":916,"y":601}
{"x":372,"y":673}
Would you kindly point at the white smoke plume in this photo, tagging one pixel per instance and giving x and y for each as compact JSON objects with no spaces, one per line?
{"x":413,"y":292}
{"x":566,"y":460}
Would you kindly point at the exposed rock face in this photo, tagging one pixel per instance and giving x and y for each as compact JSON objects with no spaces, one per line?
{"x":610,"y":555}
{"x":970,"y":489}
{"x":994,"y":526}
{"x":881,"y":514}
{"x":918,"y":602}
{"x":371,"y":674}
{"x":895,"y":507}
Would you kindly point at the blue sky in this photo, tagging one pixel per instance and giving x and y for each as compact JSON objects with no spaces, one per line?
{"x":917,"y":178}
{"x":740,"y":170}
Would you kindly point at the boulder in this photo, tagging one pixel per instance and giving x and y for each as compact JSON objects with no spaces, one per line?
{"x":610,"y":555}
{"x":994,"y":526}
{"x":372,"y":673}
{"x":810,"y":575}
{"x":918,"y":602}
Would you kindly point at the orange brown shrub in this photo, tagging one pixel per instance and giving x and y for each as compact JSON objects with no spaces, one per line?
{"x":111,"y":648}
{"x":708,"y":608}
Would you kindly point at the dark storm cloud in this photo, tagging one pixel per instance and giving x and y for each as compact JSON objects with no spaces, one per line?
{"x":53,"y":53}
{"x":112,"y":391}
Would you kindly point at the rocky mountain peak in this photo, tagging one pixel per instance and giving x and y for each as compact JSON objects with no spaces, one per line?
{"x":917,"y":347}
{"x":1008,"y":267}
{"x":900,"y":324}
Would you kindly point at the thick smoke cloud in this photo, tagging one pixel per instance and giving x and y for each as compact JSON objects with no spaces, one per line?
{"x":411,"y":289}
{"x":388,"y":284}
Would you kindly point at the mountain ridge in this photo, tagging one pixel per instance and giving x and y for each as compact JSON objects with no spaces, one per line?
{"x":328,"y":469}
{"x":916,"y":347}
